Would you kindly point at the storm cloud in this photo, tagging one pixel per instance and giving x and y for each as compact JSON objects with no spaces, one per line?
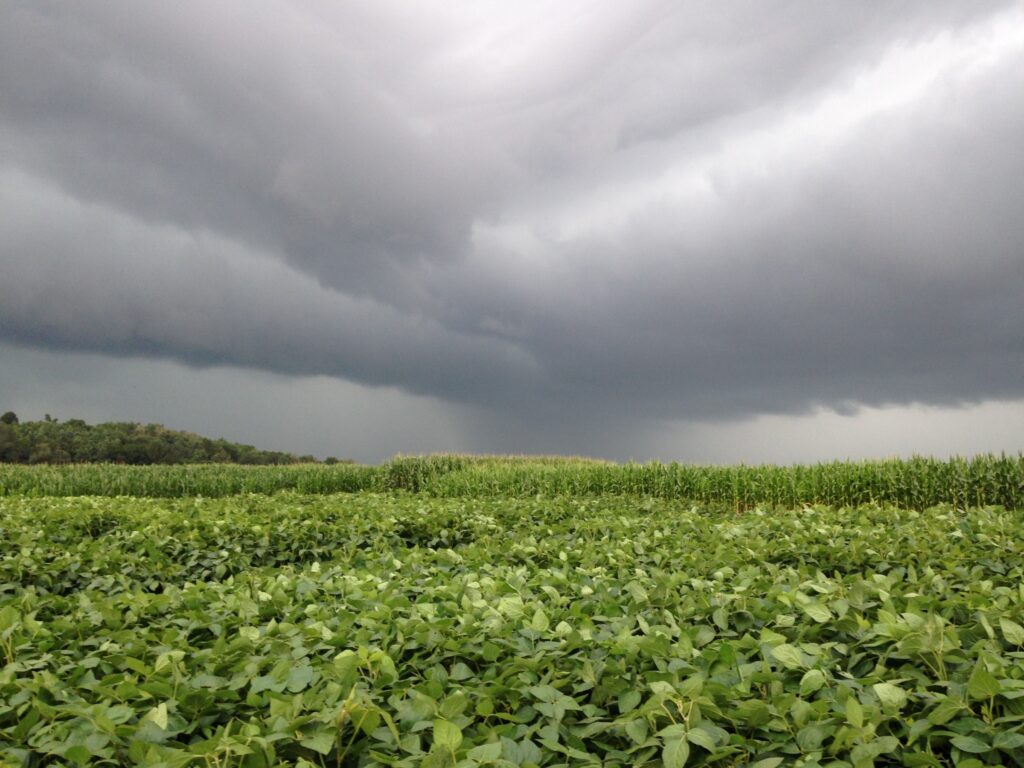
{"x":576,"y":221}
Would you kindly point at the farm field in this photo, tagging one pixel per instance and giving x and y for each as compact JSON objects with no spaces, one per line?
{"x":912,"y":483}
{"x":397,"y":628}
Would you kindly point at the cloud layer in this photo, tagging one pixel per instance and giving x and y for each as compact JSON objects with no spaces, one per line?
{"x":585,"y":219}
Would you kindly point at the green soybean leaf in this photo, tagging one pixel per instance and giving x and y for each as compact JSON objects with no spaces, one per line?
{"x":810,"y":737}
{"x":447,"y":734}
{"x":701,"y":738}
{"x":817,"y":611}
{"x":322,"y":741}
{"x":1009,"y":742}
{"x":628,"y":701}
{"x":945,"y":711}
{"x":675,"y":753}
{"x":158,"y":716}
{"x":971,"y":744}
{"x":789,"y":655}
{"x":854,"y":712}
{"x":872,"y":749}
{"x":485,"y":753}
{"x":812,"y":681}
{"x":1012,"y":631}
{"x":300,"y":677}
{"x":79,"y":754}
{"x":981,"y":684}
{"x":892,"y":696}
{"x":637,"y":730}
{"x":540,"y":621}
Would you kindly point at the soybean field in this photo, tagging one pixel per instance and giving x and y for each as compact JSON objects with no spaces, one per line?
{"x":454,"y":611}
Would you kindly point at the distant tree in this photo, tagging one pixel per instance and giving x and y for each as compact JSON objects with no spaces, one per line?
{"x":10,"y":450}
{"x":45,"y":453}
{"x":51,"y":441}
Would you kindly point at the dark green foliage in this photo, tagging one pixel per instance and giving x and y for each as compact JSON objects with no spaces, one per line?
{"x":401,"y":630}
{"x":54,"y":442}
{"x":11,"y":448}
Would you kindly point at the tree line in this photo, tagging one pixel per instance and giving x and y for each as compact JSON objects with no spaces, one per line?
{"x":73,"y":441}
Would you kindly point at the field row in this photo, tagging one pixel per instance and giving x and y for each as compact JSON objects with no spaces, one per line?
{"x":911,"y":484}
{"x":384,"y":630}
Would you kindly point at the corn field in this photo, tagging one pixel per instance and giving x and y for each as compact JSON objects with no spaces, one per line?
{"x":915,"y":483}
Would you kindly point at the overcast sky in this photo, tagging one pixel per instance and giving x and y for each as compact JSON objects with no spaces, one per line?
{"x":725,"y":232}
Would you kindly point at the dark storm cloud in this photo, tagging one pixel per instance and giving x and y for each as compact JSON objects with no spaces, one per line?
{"x":588,"y":215}
{"x":158,"y":291}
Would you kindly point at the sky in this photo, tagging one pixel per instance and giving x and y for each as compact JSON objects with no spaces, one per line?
{"x":652,"y":230}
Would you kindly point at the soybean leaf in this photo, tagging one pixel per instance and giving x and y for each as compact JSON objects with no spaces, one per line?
{"x":675,"y":753}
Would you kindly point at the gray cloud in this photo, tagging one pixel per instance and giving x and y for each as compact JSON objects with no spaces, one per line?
{"x":327,"y":416}
{"x":322,"y":415}
{"x":164,"y":291}
{"x":575,"y":221}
